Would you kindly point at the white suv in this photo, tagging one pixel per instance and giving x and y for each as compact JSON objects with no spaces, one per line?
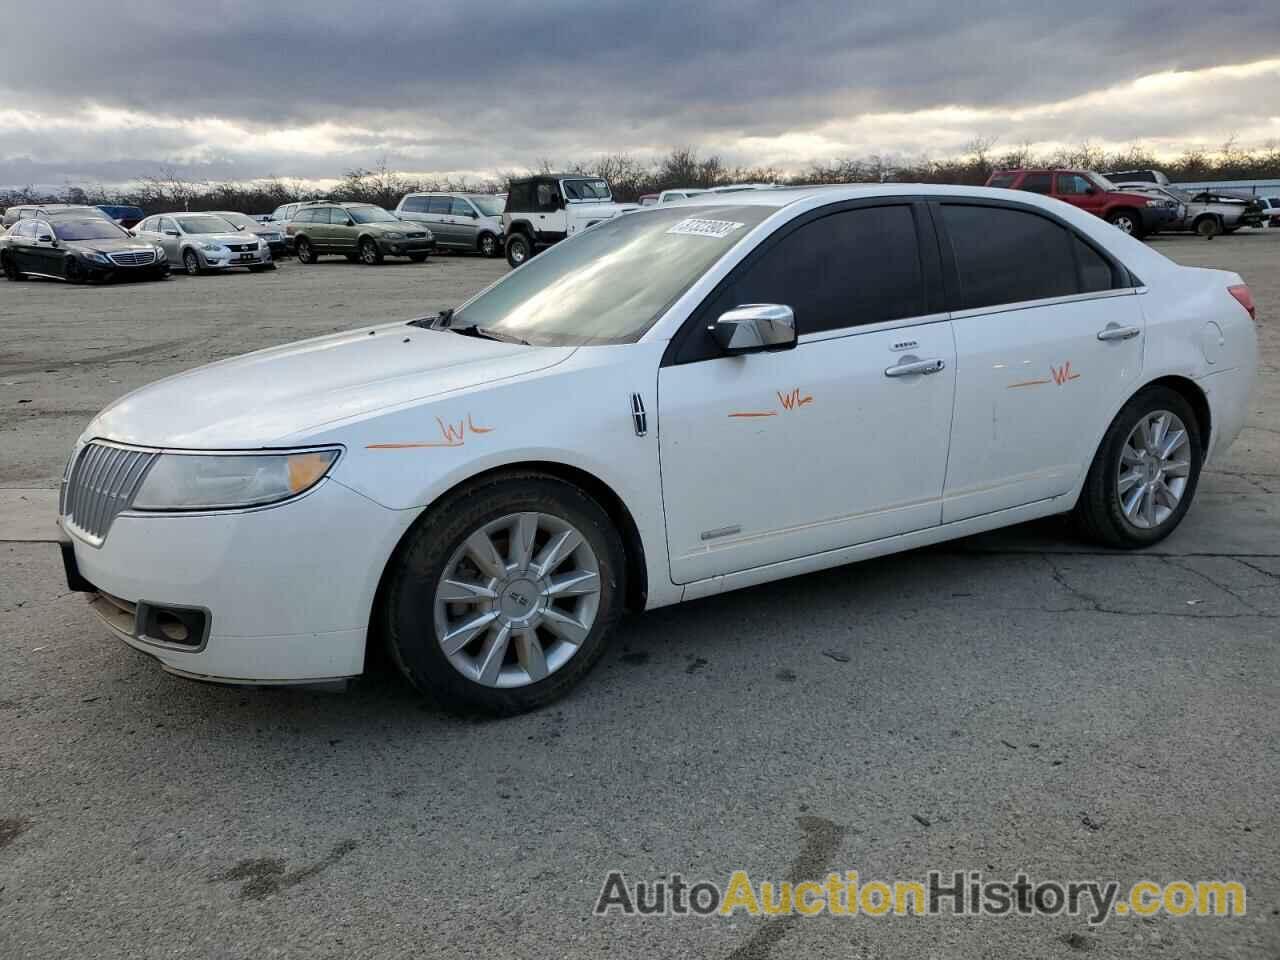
{"x":546,"y":209}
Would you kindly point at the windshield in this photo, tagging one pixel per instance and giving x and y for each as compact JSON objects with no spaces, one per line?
{"x":586,"y":190}
{"x":88,"y":229}
{"x":370,"y":215}
{"x":489,"y":206}
{"x":609,"y":284}
{"x":205,"y":224}
{"x":1104,"y":183}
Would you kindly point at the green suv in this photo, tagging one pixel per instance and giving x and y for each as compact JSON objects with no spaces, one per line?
{"x":358,"y":231}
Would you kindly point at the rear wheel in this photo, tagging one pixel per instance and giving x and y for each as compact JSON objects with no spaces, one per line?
{"x":306,"y":253}
{"x":72,"y":270}
{"x":1208,"y":226}
{"x":191,"y":262}
{"x":519,"y":249}
{"x":11,"y":271}
{"x":503,"y":596}
{"x":370,"y":255}
{"x":1145,"y":472}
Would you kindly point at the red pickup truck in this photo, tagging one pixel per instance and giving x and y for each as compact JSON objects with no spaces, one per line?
{"x":1131,"y":212}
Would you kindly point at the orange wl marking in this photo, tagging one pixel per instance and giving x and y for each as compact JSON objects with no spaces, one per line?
{"x":793,"y":399}
{"x":1062,"y":374}
{"x":452,"y":436}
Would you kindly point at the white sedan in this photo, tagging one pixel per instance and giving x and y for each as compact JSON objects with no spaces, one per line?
{"x":673,"y":404}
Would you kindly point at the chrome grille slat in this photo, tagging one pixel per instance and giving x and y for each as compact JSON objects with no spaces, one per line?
{"x":102,"y":483}
{"x":133,"y":258}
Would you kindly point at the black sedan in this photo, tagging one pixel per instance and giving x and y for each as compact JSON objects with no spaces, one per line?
{"x":78,"y":249}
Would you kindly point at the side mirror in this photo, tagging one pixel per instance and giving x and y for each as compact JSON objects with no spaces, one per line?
{"x":350,"y":222}
{"x":755,"y":327}
{"x":132,"y":232}
{"x":45,"y":238}
{"x":1090,"y":189}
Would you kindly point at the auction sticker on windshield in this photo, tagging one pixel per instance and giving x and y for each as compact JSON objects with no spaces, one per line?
{"x":696,"y":227}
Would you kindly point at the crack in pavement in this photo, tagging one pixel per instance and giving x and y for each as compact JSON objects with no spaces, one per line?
{"x":821,"y":840}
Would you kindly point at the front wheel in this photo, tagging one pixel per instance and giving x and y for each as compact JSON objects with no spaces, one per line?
{"x":370,"y":255}
{"x":1126,"y":221}
{"x":1145,"y":472}
{"x":73,"y":271}
{"x":191,"y":263}
{"x":488,"y":245}
{"x":519,"y":249}
{"x":1208,"y":226}
{"x":304,"y":251}
{"x":503,"y":596}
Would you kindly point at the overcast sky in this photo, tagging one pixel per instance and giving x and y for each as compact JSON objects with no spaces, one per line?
{"x":99,"y":92}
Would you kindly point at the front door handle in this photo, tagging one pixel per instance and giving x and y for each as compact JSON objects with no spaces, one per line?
{"x":915,"y":366}
{"x":1114,"y":332}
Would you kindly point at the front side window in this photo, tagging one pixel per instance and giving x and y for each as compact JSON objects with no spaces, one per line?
{"x":1008,"y":256}
{"x":1072,"y":185}
{"x":489,"y":206}
{"x":611,"y":283}
{"x":167,"y":223}
{"x":546,"y":198}
{"x":461,"y":208}
{"x":846,"y":269}
{"x":1036,"y":182}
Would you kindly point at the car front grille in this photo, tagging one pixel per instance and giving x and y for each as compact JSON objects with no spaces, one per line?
{"x":134,"y":258}
{"x":415,"y":236}
{"x":102,"y":482}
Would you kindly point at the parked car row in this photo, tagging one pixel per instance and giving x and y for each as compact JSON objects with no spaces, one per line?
{"x":1205,"y":212}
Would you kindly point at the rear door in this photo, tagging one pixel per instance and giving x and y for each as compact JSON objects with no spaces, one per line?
{"x":774,"y":456}
{"x":21,"y":239}
{"x":1049,"y":339}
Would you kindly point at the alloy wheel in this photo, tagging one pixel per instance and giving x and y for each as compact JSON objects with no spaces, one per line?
{"x":369,"y":252}
{"x":1124,"y":223}
{"x":487,"y":245}
{"x":517,"y":600}
{"x":1155,"y":464}
{"x":191,"y":260}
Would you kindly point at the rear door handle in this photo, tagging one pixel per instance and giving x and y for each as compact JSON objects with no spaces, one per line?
{"x":1119,"y":333}
{"x":915,"y":366}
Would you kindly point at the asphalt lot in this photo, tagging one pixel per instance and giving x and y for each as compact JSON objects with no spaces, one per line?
{"x":1018,"y":701}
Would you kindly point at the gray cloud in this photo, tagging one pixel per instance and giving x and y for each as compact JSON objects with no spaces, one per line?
{"x":452,"y":86}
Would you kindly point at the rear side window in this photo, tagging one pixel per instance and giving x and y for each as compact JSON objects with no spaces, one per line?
{"x":1036,"y":182}
{"x":414,"y":205}
{"x":847,"y":269}
{"x":1008,"y":256}
{"x":1096,"y":272}
{"x":520,"y":197}
{"x":304,"y":216}
{"x":439,"y":205}
{"x":1002,"y":180}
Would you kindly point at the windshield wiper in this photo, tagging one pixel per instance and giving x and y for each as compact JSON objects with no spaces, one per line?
{"x":475,"y":331}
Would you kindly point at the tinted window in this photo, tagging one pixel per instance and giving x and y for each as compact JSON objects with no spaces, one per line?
{"x":1036,"y":182}
{"x":167,"y":224}
{"x":546,"y":198}
{"x":1095,"y":271}
{"x":520,"y":197}
{"x":844,"y":270}
{"x":439,"y":206}
{"x":1002,"y":179}
{"x":1072,"y":184}
{"x":414,"y":205}
{"x":303,"y":216}
{"x":1007,"y":256}
{"x":461,"y":208}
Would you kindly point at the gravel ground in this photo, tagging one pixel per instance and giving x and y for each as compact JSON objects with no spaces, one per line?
{"x":1013,"y":702}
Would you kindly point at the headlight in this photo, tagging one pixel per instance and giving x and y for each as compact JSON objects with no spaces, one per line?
{"x":1153,"y":203}
{"x":210,"y":246}
{"x":393,"y":235}
{"x":185,"y":481}
{"x":161,"y":254}
{"x":99,"y":258}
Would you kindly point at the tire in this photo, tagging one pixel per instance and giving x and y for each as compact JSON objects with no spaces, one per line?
{"x":72,"y":271}
{"x":1208,"y":226}
{"x":418,"y":257}
{"x":370,"y":255}
{"x":191,"y":262}
{"x":519,"y":249}
{"x":488,"y":245}
{"x":304,"y":251}
{"x":1103,"y":512}
{"x":1127,"y":221}
{"x":436,"y":551}
{"x":11,"y":271}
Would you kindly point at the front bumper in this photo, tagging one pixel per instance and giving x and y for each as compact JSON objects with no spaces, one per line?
{"x":234,"y":258}
{"x":287,"y":590}
{"x":151,"y":271}
{"x":402,"y":248}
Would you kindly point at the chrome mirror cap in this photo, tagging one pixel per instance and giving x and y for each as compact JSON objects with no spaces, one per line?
{"x":753,"y":327}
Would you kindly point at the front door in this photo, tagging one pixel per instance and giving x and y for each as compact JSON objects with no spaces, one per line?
{"x":170,"y":239}
{"x":772,"y":456}
{"x":464,"y":219}
{"x":1049,"y":341}
{"x":1075,"y":189}
{"x":550,"y":218}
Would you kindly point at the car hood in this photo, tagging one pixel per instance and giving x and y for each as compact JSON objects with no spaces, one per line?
{"x":283,"y":394}
{"x":598,"y":209}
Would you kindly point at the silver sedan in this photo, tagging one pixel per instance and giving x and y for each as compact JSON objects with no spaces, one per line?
{"x":202,"y":241}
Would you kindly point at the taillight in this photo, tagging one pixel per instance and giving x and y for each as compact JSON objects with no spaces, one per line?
{"x":1242,"y":293}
